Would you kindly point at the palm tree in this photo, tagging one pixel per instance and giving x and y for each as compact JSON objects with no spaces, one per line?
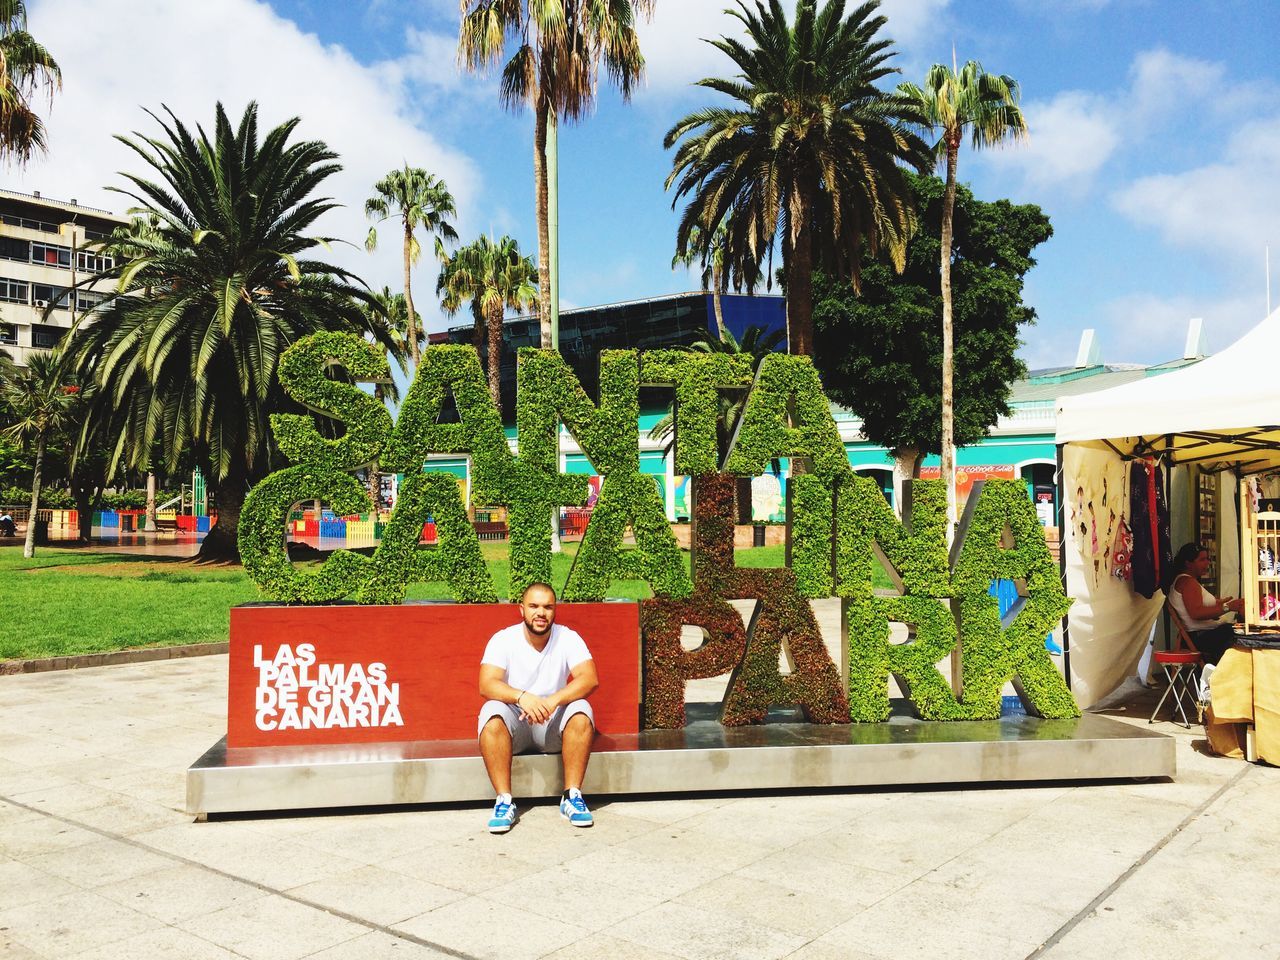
{"x":951,"y":101}
{"x":708,"y":252}
{"x":192,"y":367}
{"x":757,"y":344}
{"x":810,"y":152}
{"x":560,"y":45}
{"x":40,"y":397}
{"x":492,"y":276}
{"x":390,"y":310}
{"x":25,"y":66}
{"x":417,"y":199}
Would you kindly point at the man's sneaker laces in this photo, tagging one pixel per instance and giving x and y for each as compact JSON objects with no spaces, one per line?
{"x":504,"y":817}
{"x":574,"y":809}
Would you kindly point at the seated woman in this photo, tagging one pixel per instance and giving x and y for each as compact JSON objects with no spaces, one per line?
{"x":1198,"y":608}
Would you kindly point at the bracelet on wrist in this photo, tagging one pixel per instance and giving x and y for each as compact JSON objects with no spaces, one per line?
{"x":519,"y":695}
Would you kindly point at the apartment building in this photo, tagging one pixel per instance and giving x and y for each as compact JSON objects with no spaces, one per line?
{"x":46,"y":247}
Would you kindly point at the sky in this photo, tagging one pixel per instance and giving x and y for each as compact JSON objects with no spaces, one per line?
{"x":1154,"y":147}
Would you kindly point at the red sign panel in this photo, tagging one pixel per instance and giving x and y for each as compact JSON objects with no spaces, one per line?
{"x":366,"y":674}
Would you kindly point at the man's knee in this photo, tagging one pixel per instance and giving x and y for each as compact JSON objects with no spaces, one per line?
{"x":579,"y":723}
{"x":495,"y":729}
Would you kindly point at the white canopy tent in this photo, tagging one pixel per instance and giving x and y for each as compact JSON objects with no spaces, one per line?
{"x":1221,"y":415}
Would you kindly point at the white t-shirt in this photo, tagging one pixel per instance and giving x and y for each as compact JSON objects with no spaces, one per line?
{"x":543,"y":672}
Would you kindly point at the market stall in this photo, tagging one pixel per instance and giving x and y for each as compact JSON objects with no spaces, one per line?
{"x":1146,"y":466}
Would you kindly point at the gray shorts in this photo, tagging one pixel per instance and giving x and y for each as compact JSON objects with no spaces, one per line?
{"x":545,"y":737}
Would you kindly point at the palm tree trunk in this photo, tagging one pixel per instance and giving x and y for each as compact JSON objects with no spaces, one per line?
{"x":495,"y":354}
{"x":715,"y":302}
{"x":948,"y":342}
{"x":221,"y":544}
{"x":478,"y":331}
{"x":84,"y":511}
{"x":412,"y":318}
{"x":374,"y":481}
{"x":29,"y":546}
{"x":800,"y":276}
{"x":541,"y":113}
{"x":906,"y":466}
{"x":149,"y":522}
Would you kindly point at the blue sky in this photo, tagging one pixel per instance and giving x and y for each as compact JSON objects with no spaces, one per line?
{"x":1155,"y":143}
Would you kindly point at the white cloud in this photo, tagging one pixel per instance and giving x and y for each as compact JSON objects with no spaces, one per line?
{"x":1165,"y":85}
{"x":1147,"y":326}
{"x":674,"y":43}
{"x":189,"y":55}
{"x":1071,"y":138}
{"x":1229,"y":208}
{"x":914,"y":22}
{"x":1077,"y":133}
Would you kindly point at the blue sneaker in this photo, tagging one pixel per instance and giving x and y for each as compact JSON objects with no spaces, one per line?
{"x":574,"y":809}
{"x":504,"y":817}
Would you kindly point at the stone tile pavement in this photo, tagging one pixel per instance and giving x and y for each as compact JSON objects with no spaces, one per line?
{"x":98,"y":859}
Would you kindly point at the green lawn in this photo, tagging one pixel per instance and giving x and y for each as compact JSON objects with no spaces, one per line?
{"x":75,"y":601}
{"x":65,"y":602}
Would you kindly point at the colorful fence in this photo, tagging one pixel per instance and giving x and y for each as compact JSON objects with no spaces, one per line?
{"x":329,"y":531}
{"x":61,"y":524}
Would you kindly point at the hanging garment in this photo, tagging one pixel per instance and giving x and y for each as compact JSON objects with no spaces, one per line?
{"x":1122,"y":552}
{"x":1151,"y":554}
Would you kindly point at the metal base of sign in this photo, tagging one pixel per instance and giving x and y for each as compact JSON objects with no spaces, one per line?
{"x":702,"y":757}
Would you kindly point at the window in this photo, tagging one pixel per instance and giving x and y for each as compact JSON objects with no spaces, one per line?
{"x":13,"y":291}
{"x":93,"y":263}
{"x":14,"y":249}
{"x":86,"y":300}
{"x":8,"y":333}
{"x":45,"y":336}
{"x":43,"y":294}
{"x":51,"y":255}
{"x":29,"y":224}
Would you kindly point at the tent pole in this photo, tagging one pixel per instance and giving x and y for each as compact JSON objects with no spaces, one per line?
{"x":1168,"y":507}
{"x":1240,"y":516}
{"x":1060,"y":513}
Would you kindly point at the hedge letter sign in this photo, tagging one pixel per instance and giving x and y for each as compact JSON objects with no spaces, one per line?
{"x":840,"y":527}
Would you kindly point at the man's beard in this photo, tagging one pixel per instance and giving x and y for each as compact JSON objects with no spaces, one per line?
{"x":528,"y":625}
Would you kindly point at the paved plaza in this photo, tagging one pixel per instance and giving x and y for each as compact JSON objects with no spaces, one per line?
{"x":99,"y":860}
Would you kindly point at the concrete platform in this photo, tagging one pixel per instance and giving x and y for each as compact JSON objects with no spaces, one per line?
{"x":703,"y":757}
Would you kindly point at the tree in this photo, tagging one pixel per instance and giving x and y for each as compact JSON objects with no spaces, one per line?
{"x":25,"y":67}
{"x":40,"y":398}
{"x":121,"y":245}
{"x":951,"y":101}
{"x":391,"y":310}
{"x":707,"y":250}
{"x":757,"y":344}
{"x":879,"y":353}
{"x":192,"y":367}
{"x":492,"y":276}
{"x":559,"y":46}
{"x":417,"y":199}
{"x":810,"y":152}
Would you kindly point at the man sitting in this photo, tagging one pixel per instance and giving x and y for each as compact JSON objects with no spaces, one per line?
{"x":535,"y":677}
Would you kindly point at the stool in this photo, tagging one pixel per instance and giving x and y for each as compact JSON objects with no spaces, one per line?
{"x":1180,"y":668}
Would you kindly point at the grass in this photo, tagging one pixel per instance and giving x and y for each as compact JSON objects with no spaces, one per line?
{"x":64,"y":602}
{"x":74,"y":601}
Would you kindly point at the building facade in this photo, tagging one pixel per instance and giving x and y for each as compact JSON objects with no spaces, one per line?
{"x":46,"y":247}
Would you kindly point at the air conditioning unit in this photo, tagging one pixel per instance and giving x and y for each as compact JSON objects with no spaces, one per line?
{"x":40,"y":303}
